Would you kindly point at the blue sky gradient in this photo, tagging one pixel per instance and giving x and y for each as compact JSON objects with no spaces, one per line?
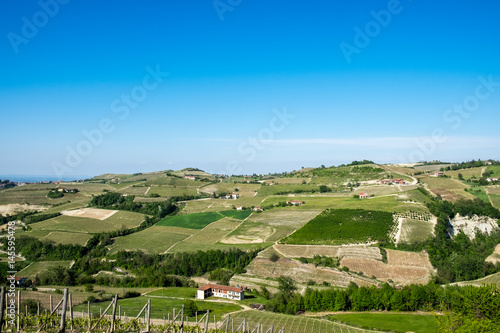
{"x":229,"y":78}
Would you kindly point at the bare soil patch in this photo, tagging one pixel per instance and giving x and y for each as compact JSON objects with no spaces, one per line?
{"x":494,"y":258}
{"x":303,"y":272}
{"x":93,"y":213}
{"x":241,"y":239}
{"x":306,"y":251}
{"x":402,"y":267}
{"x":12,"y":209}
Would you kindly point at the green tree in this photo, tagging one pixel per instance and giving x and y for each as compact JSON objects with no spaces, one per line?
{"x":323,"y":189}
{"x":286,"y":285}
{"x":274,"y":257}
{"x":190,"y":308}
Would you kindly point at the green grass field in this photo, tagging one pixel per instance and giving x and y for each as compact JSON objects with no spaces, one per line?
{"x":413,"y":231}
{"x":58,"y":237}
{"x":192,"y":247}
{"x":67,"y":206}
{"x":266,"y":190}
{"x":33,"y":194}
{"x":161,"y":307}
{"x":250,"y":231}
{"x":201,"y":220}
{"x":394,"y":322}
{"x":191,"y":221}
{"x":289,"y":180}
{"x":152,"y":240}
{"x":214,"y":232}
{"x":495,"y":169}
{"x":343,"y":226}
{"x":174,"y":181}
{"x":67,"y":237}
{"x":180,"y":292}
{"x":386,"y":203}
{"x":495,"y":199}
{"x":223,"y":188}
{"x":217,"y":205}
{"x":418,"y":196}
{"x":466,"y":173}
{"x":282,"y":221}
{"x":237,"y":214}
{"x":480,"y":193}
{"x":292,"y":324}
{"x":37,"y":193}
{"x":119,"y":220}
{"x":36,"y":268}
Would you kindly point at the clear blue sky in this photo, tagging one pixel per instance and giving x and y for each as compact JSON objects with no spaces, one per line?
{"x":377,"y":95}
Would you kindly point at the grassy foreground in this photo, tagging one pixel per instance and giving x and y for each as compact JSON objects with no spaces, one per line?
{"x":396,"y":322}
{"x":160,"y":307}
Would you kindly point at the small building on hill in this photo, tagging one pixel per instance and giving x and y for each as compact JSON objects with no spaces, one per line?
{"x":364,"y":195}
{"x":295,"y":202}
{"x":190,"y":177}
{"x":216,"y":290}
{"x":438,"y":174}
{"x":230,"y":196}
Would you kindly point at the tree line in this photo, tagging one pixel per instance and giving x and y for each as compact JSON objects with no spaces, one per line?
{"x":480,"y":303}
{"x":166,"y":270}
{"x":467,"y":165}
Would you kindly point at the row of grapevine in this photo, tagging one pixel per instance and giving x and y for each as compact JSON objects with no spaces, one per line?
{"x":62,"y":317}
{"x":344,"y":226}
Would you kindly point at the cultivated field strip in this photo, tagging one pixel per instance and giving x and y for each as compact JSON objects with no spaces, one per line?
{"x":92,"y":213}
{"x":303,"y":272}
{"x":306,"y":251}
{"x":403,"y":258}
{"x":213,"y":232}
{"x":415,"y":230}
{"x":153,"y":240}
{"x":356,"y":251}
{"x":402,"y":267}
{"x":117,"y":221}
{"x":292,"y":324}
{"x":36,"y":268}
{"x":60,"y":237}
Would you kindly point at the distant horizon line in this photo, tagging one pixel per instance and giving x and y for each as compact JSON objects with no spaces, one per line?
{"x":48,"y":177}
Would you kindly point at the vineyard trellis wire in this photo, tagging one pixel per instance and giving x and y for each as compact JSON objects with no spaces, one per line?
{"x":61,"y":317}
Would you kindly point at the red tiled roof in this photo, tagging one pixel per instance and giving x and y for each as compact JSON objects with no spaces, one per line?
{"x":216,"y":286}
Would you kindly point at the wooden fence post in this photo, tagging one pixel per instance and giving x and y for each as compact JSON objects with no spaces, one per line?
{"x":112,"y":329}
{"x":18,"y":310}
{"x":62,"y":326}
{"x":71,"y":310}
{"x":2,"y":306}
{"x":148,"y":318}
{"x":102,"y":315}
